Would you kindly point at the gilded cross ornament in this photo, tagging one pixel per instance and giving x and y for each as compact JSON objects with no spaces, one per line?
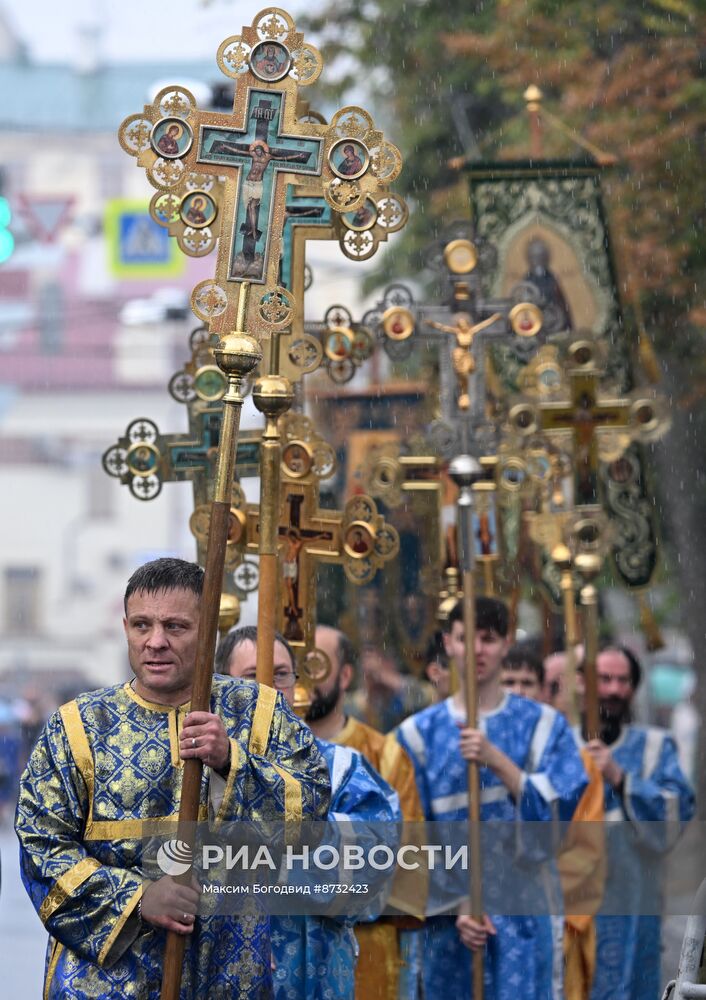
{"x":144,"y":459}
{"x":225,"y":177}
{"x":412,"y":484}
{"x":345,"y":345}
{"x":390,"y":473}
{"x":358,"y":537}
{"x":591,"y":424}
{"x":359,"y":234}
{"x":200,"y":378}
{"x":462,"y":328}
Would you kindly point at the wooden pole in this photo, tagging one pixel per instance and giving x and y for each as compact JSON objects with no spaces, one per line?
{"x":237,"y":355}
{"x":465,"y":470}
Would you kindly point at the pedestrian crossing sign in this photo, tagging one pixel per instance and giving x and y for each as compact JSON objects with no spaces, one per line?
{"x":137,"y":246}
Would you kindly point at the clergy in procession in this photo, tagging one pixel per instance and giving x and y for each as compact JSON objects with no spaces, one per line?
{"x":112,"y":759}
{"x":530,"y":770}
{"x":314,"y":957}
{"x":388,"y":960}
{"x":581,"y":863}
{"x":646,"y":788}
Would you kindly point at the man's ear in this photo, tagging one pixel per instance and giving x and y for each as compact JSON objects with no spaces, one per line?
{"x":433,"y":672}
{"x":347,"y":675}
{"x":125,"y":625}
{"x":446,"y":636}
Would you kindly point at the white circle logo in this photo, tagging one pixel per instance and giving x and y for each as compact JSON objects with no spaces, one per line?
{"x":174,"y":857}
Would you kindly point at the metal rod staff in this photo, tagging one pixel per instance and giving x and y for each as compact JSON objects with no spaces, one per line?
{"x":237,"y":355}
{"x":589,"y":566}
{"x":464,"y":470}
{"x":561,"y":556}
{"x":272,"y":395}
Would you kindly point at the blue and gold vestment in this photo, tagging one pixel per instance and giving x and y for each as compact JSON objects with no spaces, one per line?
{"x":644,"y":820}
{"x":520,"y":959}
{"x":103,"y":765}
{"x":314,"y":956}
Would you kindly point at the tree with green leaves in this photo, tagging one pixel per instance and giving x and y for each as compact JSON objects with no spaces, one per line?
{"x":629,"y":79}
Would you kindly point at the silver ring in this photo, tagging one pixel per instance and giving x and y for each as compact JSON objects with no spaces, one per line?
{"x":186,"y":917}
{"x":193,"y":741}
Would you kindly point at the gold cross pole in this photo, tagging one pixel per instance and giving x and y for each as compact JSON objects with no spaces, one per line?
{"x":465,"y":471}
{"x":225,"y":177}
{"x":237,"y":355}
{"x":273,"y":396}
{"x":589,"y":566}
{"x":561,"y":556}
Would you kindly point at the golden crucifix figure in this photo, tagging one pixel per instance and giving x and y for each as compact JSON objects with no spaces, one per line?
{"x":464,"y":330}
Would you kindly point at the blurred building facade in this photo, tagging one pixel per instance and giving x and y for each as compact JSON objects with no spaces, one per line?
{"x":82,"y":353}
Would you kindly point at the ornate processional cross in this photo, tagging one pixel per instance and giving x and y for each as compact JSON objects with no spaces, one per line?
{"x":262,"y":147}
{"x":358,"y":537}
{"x":225,"y":176}
{"x":569,"y":409}
{"x":463,"y":327}
{"x":583,"y":417}
{"x":144,"y":459}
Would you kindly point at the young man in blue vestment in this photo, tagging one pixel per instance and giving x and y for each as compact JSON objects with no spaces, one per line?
{"x":646,"y":789}
{"x":314,"y":957}
{"x":530,"y":770}
{"x":112,"y":760}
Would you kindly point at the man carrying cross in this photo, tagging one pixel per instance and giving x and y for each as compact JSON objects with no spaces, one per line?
{"x":648,"y":801}
{"x":111,"y":761}
{"x":315,"y":956}
{"x":530,"y":771}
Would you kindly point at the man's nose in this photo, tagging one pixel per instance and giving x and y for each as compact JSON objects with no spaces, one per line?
{"x":157,"y":637}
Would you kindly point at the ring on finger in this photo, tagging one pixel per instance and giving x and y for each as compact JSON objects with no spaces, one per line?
{"x":193,"y":741}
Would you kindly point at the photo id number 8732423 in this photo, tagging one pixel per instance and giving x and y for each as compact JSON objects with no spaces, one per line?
{"x":340,"y":887}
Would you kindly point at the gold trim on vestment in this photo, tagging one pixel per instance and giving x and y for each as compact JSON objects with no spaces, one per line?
{"x":175,"y":713}
{"x":134,"y":829}
{"x":262,"y":719}
{"x":153,"y":706}
{"x":390,"y":756}
{"x":292,"y":796}
{"x":80,"y":749}
{"x":347,"y":732}
{"x":119,"y":924}
{"x":56,"y":951}
{"x":230,"y":780}
{"x":65,"y":885}
{"x":173,"y":731}
{"x":374,"y":977}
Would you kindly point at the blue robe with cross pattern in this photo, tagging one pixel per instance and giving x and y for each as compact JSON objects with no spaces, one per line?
{"x":314,"y":956}
{"x":106,"y":764}
{"x":520,"y":960}
{"x":643,"y":824}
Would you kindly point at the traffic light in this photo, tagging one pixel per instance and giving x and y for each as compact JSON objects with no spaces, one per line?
{"x":7,"y":240}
